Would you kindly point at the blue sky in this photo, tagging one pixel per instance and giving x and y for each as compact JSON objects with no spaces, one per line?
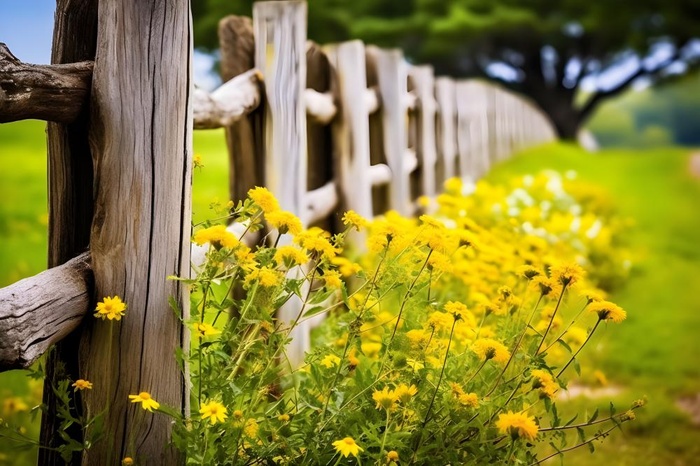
{"x":26,"y":26}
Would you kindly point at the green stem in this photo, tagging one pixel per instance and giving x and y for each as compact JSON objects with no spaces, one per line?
{"x":580,"y":348}
{"x":565,"y":450}
{"x":571,"y":324}
{"x":386,"y":430}
{"x":549,"y":326}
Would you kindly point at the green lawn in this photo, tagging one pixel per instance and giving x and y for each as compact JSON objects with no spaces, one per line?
{"x":653,"y":353}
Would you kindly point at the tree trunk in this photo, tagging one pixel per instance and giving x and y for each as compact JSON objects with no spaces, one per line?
{"x":140,"y":136}
{"x":70,"y":206}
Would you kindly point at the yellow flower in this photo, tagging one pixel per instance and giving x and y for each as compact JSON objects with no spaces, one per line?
{"x":528,"y":271}
{"x":314,"y":240}
{"x":110,"y":308}
{"x":347,"y":447}
{"x":355,"y":220}
{"x":285,"y":222}
{"x":346,"y":268}
{"x":215,"y":411}
{"x":265,"y":276}
{"x":290,"y":256}
{"x":82,"y":384}
{"x":608,"y":311}
{"x":567,"y":274}
{"x":205,"y":330}
{"x":251,"y":428}
{"x":238,"y":414}
{"x":404,"y":393}
{"x":487,"y":348}
{"x":544,"y":381}
{"x":371,"y":349}
{"x":332,"y":279}
{"x":459,"y":310}
{"x":517,"y":425}
{"x":575,"y":336}
{"x":127,"y":461}
{"x":385,"y":399}
{"x":330,"y":360}
{"x":547,"y":286}
{"x":392,"y":456}
{"x":197,"y":161}
{"x":14,"y":405}
{"x":147,"y":403}
{"x":283,"y":418}
{"x":218,"y":236}
{"x":264,"y":199}
{"x":440,"y":320}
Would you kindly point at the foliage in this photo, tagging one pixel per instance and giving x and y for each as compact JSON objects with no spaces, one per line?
{"x":542,"y":48}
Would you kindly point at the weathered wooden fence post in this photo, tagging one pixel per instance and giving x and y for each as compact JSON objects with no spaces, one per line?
{"x":141,"y":143}
{"x":446,"y":128}
{"x":426,"y":108}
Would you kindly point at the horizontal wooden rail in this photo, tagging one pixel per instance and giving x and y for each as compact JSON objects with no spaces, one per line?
{"x":39,"y":311}
{"x":42,"y":92}
{"x":320,"y":106}
{"x":372,"y":100}
{"x":321,"y":202}
{"x":379,"y":174}
{"x":227,"y":104}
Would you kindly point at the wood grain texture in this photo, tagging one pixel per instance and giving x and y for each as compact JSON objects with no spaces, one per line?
{"x":228,"y":103}
{"x":141,"y":143}
{"x":42,"y":92}
{"x":446,"y":127}
{"x":70,"y":183}
{"x":245,"y":160}
{"x":351,"y":130}
{"x":426,"y":107}
{"x":392,"y":80}
{"x":41,"y":310}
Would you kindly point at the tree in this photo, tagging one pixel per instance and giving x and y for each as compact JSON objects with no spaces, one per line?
{"x":545,"y":49}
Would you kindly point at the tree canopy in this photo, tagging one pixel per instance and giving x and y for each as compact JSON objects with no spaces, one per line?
{"x":545,"y":49}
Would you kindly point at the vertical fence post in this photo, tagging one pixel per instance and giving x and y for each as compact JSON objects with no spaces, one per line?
{"x":446,"y":128}
{"x":140,"y":138}
{"x":351,"y":128}
{"x":392,"y":80}
{"x":426,"y":152}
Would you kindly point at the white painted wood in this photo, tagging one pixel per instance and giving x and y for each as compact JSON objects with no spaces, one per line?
{"x":372,"y":102}
{"x":41,"y":310}
{"x":321,"y":202}
{"x":446,"y":129}
{"x":351,"y":129}
{"x":426,"y":106}
{"x":228,"y":103}
{"x":379,"y":174}
{"x":409,"y":100}
{"x":410,"y":163}
{"x":319,"y":106}
{"x":393,"y":81}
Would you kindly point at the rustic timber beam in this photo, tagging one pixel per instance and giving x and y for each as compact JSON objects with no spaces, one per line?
{"x":39,"y":311}
{"x":319,"y":106}
{"x":43,"y":92}
{"x":230,"y":102}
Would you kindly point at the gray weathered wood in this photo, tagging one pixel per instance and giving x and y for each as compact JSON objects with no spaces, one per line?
{"x":391,"y":72}
{"x":70,"y":175}
{"x":42,"y":92}
{"x":41,"y":310}
{"x":141,"y":140}
{"x":351,"y":128}
{"x":245,"y":161}
{"x":228,"y":103}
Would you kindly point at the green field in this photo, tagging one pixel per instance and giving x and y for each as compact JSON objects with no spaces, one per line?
{"x":652,"y":353}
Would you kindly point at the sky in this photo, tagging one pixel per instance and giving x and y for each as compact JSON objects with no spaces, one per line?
{"x":26,"y":26}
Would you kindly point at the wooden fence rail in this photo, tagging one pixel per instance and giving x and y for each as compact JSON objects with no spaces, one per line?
{"x":325,"y":128}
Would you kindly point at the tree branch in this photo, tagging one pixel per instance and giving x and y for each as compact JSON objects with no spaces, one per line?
{"x":43,"y":92}
{"x":41,"y":310}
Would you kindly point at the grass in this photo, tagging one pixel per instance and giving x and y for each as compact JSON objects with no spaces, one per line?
{"x":653,"y":353}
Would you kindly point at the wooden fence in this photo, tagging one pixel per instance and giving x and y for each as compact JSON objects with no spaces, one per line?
{"x":326,"y":128}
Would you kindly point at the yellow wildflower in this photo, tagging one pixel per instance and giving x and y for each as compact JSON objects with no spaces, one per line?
{"x":385,"y":399}
{"x":487,"y":348}
{"x":404,"y":392}
{"x":517,"y":425}
{"x":215,"y":411}
{"x":545,"y":382}
{"x":110,"y":308}
{"x":332,"y":279}
{"x":314,"y":240}
{"x":127,"y":461}
{"x":346,"y":268}
{"x":251,"y":428}
{"x":330,"y":360}
{"x":608,"y":311}
{"x":264,"y":199}
{"x":197,"y":161}
{"x":238,"y":414}
{"x":218,"y":236}
{"x":82,"y":384}
{"x":393,"y":455}
{"x":283,"y":418}
{"x":528,"y":271}
{"x":567,"y":274}
{"x":205,"y":330}
{"x":265,"y":276}
{"x":290,"y":256}
{"x":285,"y":222}
{"x":575,"y":336}
{"x":355,"y":220}
{"x":440,"y":320}
{"x":147,"y":402}
{"x":371,"y":349}
{"x":347,"y":447}
{"x":14,"y":405}
{"x":459,"y":310}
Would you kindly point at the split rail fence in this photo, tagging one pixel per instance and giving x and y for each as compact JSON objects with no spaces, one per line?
{"x":325,"y":128}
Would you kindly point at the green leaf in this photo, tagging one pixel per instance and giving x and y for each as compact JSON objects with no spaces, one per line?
{"x":594,"y":417}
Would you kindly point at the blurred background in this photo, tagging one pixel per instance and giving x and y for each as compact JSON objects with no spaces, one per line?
{"x":618,"y":78}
